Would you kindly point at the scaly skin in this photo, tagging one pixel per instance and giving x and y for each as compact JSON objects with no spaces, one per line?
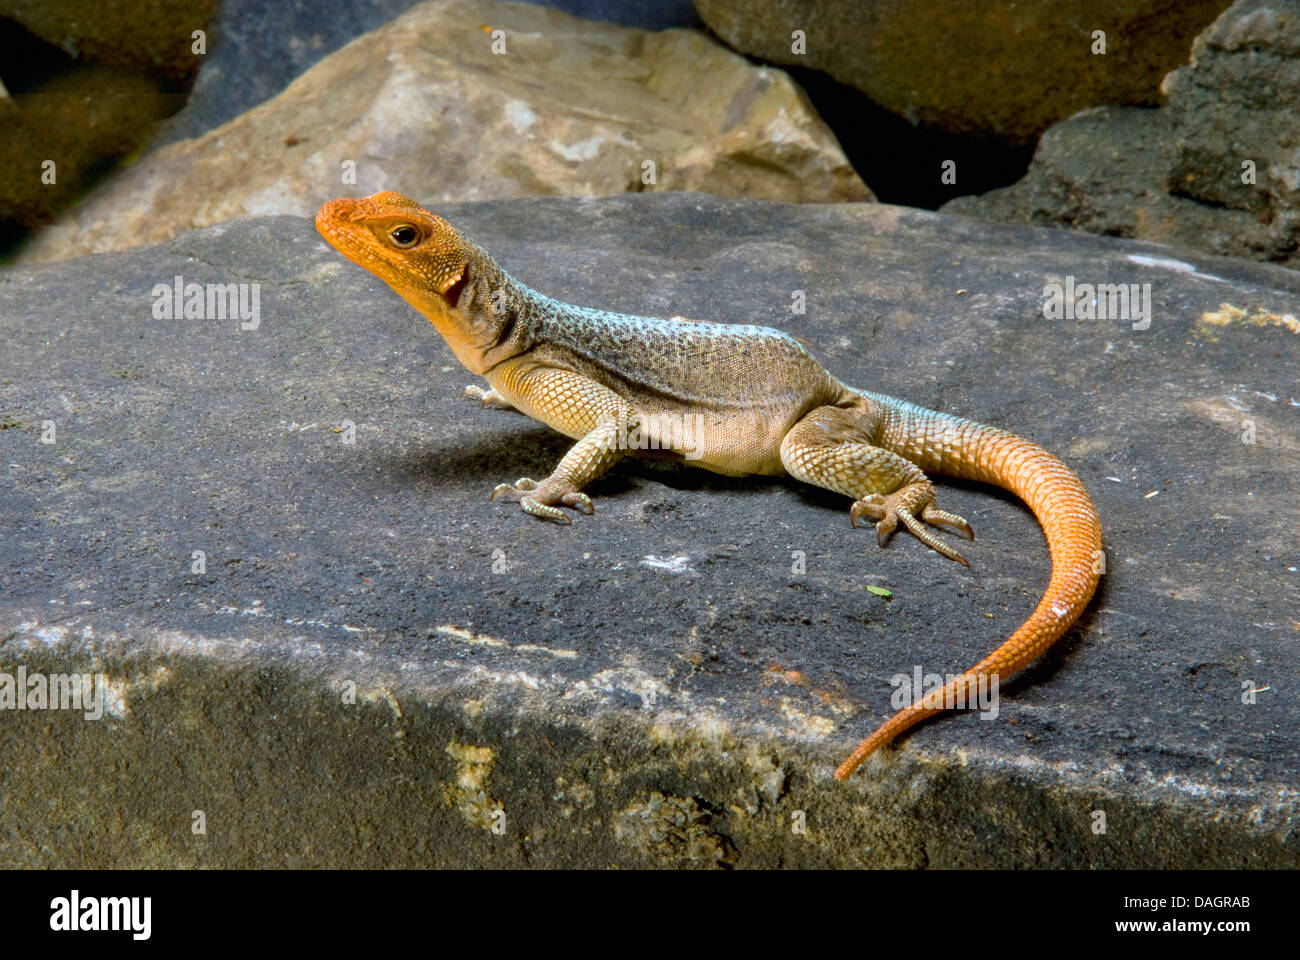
{"x":733,"y":399}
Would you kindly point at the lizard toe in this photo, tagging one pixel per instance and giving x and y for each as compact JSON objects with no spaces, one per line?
{"x":579,"y":501}
{"x":929,"y":539}
{"x":513,"y":491}
{"x":942,"y":518}
{"x":543,"y":510}
{"x":901,"y":506}
{"x":872,"y":507}
{"x":487,"y":398}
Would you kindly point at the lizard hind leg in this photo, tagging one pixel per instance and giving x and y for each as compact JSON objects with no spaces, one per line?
{"x":829,"y":448}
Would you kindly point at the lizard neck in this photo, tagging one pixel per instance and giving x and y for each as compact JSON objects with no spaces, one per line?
{"x":493,"y":319}
{"x":485,"y":316}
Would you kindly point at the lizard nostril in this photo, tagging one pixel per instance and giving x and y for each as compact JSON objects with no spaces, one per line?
{"x":333,"y":209}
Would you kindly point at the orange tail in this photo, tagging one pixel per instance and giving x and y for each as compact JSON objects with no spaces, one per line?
{"x":1059,"y":502}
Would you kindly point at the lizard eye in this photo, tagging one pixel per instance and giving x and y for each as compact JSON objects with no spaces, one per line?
{"x":404,"y":236}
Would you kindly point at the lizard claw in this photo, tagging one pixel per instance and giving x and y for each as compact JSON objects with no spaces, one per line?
{"x":871,"y":506}
{"x":901,"y":506}
{"x":533,"y":498}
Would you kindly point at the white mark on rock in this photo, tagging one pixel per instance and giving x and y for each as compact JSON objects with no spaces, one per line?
{"x":680,"y":564}
{"x":582,"y":150}
{"x":1168,"y":263}
{"x":483,"y":640}
{"x":651,"y":690}
{"x":520,"y":115}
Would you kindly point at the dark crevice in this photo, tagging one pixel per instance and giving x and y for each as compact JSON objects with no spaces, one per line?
{"x":29,"y":62}
{"x":31,"y":68}
{"x":901,"y":163}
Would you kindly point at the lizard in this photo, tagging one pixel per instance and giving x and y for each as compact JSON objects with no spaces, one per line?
{"x":765,"y":405}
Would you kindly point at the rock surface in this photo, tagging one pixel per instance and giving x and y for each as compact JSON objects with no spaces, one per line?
{"x":68,"y":111}
{"x":1002,"y":71}
{"x":1176,"y":174}
{"x":259,"y":47}
{"x":155,"y":36}
{"x":378,"y":667}
{"x":424,"y":105}
{"x":78,"y":133}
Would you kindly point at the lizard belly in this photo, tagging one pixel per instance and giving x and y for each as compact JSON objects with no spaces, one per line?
{"x":726,"y":441}
{"x":732,"y":438}
{"x":732,"y":442}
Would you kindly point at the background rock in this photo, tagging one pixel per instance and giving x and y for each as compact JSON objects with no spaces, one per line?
{"x":652,"y":685}
{"x":1003,"y":71}
{"x":153,"y":35}
{"x":79,"y":133}
{"x":423,"y":105}
{"x":88,"y":85}
{"x":1239,"y":100}
{"x":1174,"y":174}
{"x":74,"y":63}
{"x":260,"y":47}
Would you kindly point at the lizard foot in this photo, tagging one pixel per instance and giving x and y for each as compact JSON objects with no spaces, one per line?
{"x":487,"y":398}
{"x":539,"y":499}
{"x":904,"y":505}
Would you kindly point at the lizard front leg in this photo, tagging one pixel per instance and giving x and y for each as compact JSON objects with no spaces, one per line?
{"x":488,"y":398}
{"x":828,"y":448}
{"x":577,"y":406}
{"x":586,"y":460}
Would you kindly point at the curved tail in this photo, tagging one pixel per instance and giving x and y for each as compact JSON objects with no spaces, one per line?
{"x":963,"y":448}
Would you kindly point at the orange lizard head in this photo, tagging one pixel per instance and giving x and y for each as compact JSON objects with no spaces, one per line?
{"x":416,"y":253}
{"x":436,"y":270}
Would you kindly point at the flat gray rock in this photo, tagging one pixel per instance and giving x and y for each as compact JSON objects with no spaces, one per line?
{"x":378,"y":667}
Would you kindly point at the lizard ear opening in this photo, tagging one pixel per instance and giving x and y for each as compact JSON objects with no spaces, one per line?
{"x":454,"y":285}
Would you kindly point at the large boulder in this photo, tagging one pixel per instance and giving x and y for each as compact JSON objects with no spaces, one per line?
{"x":85,"y":84}
{"x":55,"y":138}
{"x":274,"y":541}
{"x":1216,"y":169}
{"x":438,"y":105}
{"x":1235,"y":118}
{"x":991,"y":71}
{"x":257,"y":47}
{"x":154,"y":37}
